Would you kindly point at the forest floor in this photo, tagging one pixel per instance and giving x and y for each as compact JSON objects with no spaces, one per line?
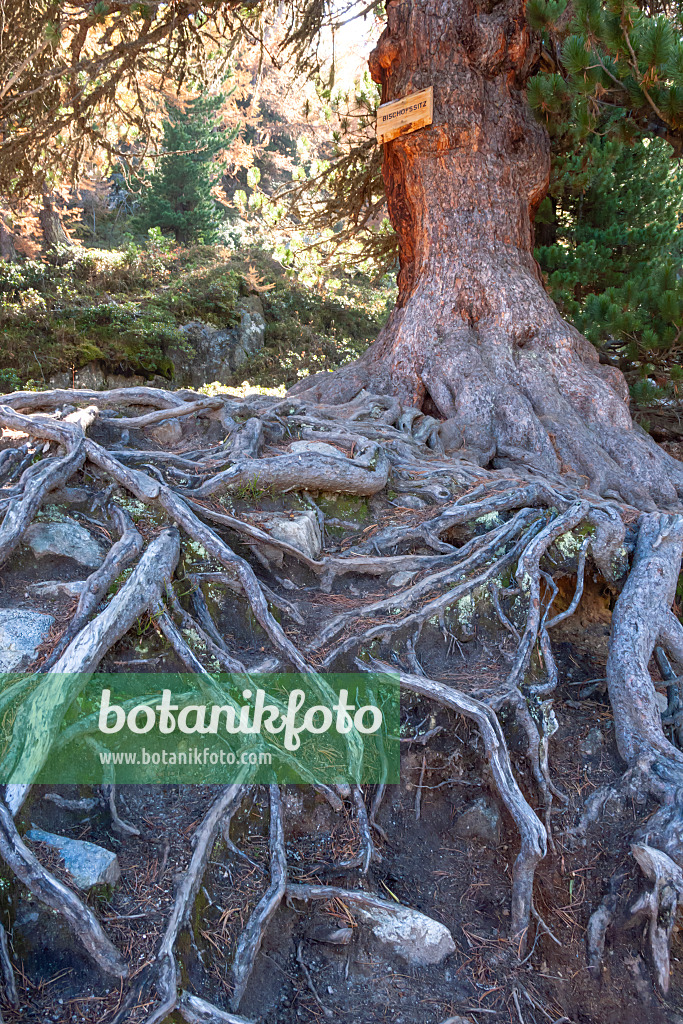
{"x":122,"y":309}
{"x":425,"y":863}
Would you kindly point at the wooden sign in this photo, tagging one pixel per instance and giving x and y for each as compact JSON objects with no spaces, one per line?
{"x":407,"y":115}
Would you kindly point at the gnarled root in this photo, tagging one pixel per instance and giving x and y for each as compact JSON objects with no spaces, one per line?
{"x":491,"y":525}
{"x":641,"y":619}
{"x":252,"y":936}
{"x":46,"y":888}
{"x":532,"y":833}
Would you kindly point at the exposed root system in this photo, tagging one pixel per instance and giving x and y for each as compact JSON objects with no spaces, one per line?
{"x":455,"y":550}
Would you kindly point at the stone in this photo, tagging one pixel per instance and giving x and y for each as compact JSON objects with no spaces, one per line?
{"x":87,"y":863}
{"x":21,"y":633}
{"x":399,"y":579}
{"x":119,"y":380}
{"x":593,"y":742}
{"x":318,"y":447}
{"x":407,"y":933}
{"x":168,"y":432}
{"x":91,"y":376}
{"x":332,"y":936}
{"x":662,"y":701}
{"x":217,"y":352}
{"x":58,"y":588}
{"x":410,"y":501}
{"x":480,"y":820}
{"x":300,"y":529}
{"x":66,"y":540}
{"x":61,"y":380}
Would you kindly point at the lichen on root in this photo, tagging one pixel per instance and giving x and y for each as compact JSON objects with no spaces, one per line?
{"x":488,"y":538}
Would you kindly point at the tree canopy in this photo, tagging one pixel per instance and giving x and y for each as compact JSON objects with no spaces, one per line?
{"x":80,"y":76}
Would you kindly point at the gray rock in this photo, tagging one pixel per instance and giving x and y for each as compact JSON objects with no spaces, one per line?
{"x":119,"y":380}
{"x":300,"y":529}
{"x":87,"y":863}
{"x":21,"y":632}
{"x":58,"y":588}
{"x":593,"y":742}
{"x":91,"y":376}
{"x":168,"y":432}
{"x":480,"y":820}
{"x":399,"y":579}
{"x":410,"y":501}
{"x":408,"y":934}
{"x":67,"y":540}
{"x":217,"y":352}
{"x":333,"y":936}
{"x":319,"y":447}
{"x":61,"y":380}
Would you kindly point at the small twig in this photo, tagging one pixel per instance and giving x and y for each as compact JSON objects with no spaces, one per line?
{"x":418,"y":791}
{"x":309,"y":980}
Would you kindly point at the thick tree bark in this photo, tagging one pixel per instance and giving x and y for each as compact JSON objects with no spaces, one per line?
{"x":54,"y":234}
{"x":7,"y":250}
{"x":474,"y":337}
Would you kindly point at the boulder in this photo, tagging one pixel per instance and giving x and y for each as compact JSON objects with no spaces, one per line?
{"x":168,"y":432}
{"x":407,"y":933}
{"x":318,"y":447}
{"x":662,"y":701}
{"x":300,"y":529}
{"x":119,"y":380}
{"x":87,"y":863}
{"x":217,"y":352}
{"x":480,"y":820}
{"x":66,"y":540}
{"x":410,"y":501}
{"x":62,"y":380}
{"x":21,"y":632}
{"x":91,"y":376}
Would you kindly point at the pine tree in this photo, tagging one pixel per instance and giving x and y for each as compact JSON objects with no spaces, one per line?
{"x":178,"y":198}
{"x":613,"y":255}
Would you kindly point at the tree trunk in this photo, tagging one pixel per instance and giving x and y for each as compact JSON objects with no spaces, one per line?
{"x":54,"y":235}
{"x":7,"y":250}
{"x":474,"y":337}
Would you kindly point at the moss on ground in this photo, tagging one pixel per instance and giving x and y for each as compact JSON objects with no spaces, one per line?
{"x":123,"y":309}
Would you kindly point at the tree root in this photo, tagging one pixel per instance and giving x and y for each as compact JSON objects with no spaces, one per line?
{"x":40,"y":715}
{"x":252,"y":936}
{"x":533,"y":836}
{"x":47,"y":477}
{"x":508,"y":520}
{"x":195,"y":1010}
{"x":163,"y":971}
{"x":641,"y":619}
{"x":46,"y":888}
{"x":118,"y":558}
{"x":9,"y":984}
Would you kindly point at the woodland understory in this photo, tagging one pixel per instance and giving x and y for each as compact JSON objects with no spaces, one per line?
{"x":498,"y":567}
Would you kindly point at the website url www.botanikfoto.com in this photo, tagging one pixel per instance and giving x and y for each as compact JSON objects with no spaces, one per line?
{"x":195,"y":756}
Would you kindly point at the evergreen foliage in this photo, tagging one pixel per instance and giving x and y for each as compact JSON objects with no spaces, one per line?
{"x":178,"y":198}
{"x":612,"y":255}
{"x":608,"y":66}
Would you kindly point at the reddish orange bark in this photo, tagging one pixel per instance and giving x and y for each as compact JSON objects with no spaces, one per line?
{"x":474,"y":337}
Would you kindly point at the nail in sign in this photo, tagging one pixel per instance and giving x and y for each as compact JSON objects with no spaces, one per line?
{"x":407,"y":115}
